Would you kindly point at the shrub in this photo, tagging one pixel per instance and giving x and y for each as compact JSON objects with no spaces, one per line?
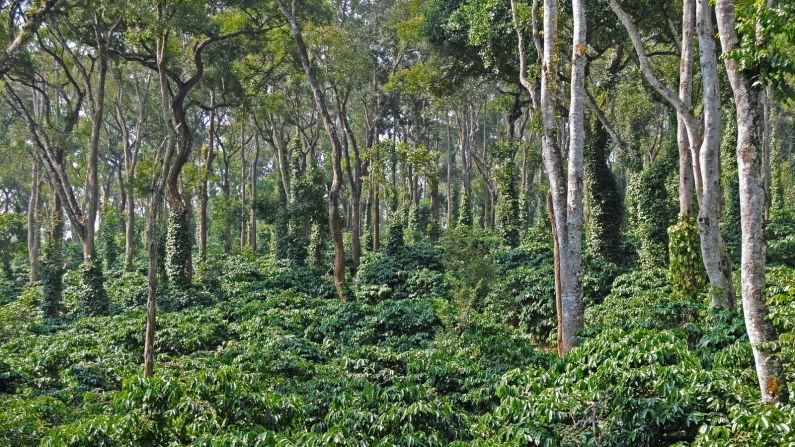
{"x":128,"y":290}
{"x":525,"y":297}
{"x":636,"y":388}
{"x":394,"y":271}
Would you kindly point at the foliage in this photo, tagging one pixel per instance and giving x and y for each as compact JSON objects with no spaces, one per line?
{"x":419,"y":222}
{"x":525,"y":296}
{"x":781,"y":238}
{"x":465,"y":210}
{"x":507,"y":208}
{"x":605,"y":205}
{"x":281,"y":227}
{"x":178,"y":249}
{"x":686,"y":268}
{"x":12,"y":239}
{"x":127,"y":290}
{"x":90,"y":293}
{"x":620,"y":388}
{"x":394,"y":240}
{"x":651,"y":208}
{"x":109,"y":227}
{"x":396,"y":271}
{"x":52,"y":271}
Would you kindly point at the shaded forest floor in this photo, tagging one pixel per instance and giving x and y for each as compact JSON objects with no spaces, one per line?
{"x":437,"y":345}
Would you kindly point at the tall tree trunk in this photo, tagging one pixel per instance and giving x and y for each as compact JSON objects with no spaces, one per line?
{"x":704,"y":148}
{"x":252,"y":236}
{"x":129,"y":228}
{"x":53,"y":267}
{"x":376,"y":217}
{"x":772,"y":382}
{"x":449,"y":180}
{"x":209,"y":157}
{"x":571,"y":269}
{"x":713,"y":250}
{"x":92,"y":185}
{"x":686,"y":181}
{"x":336,"y":151}
{"x":33,"y":224}
{"x":243,"y":208}
{"x":151,"y":277}
{"x":566,"y":194}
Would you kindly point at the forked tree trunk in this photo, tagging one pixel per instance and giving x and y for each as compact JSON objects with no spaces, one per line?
{"x":566,"y":191}
{"x":704,"y":148}
{"x":772,"y":382}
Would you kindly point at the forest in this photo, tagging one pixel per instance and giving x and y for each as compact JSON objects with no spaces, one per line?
{"x":233,"y":223}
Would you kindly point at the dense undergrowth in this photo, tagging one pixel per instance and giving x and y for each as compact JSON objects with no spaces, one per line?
{"x":436,"y":345}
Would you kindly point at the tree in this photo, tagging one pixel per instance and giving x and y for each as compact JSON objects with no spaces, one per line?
{"x":704,"y":146}
{"x":336,"y":148}
{"x":566,"y":192}
{"x":746,"y":91}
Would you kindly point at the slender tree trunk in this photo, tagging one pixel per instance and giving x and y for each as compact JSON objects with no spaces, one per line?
{"x":556,"y":263}
{"x":336,"y":151}
{"x":449,"y":180}
{"x":33,"y":224}
{"x":571,"y":270}
{"x":243,"y":208}
{"x":772,"y":381}
{"x":92,"y":185}
{"x":566,"y":196}
{"x":209,"y":157}
{"x":151,"y":276}
{"x":129,"y":228}
{"x":686,"y":182}
{"x":376,"y":218}
{"x":253,"y":218}
{"x":713,"y":250}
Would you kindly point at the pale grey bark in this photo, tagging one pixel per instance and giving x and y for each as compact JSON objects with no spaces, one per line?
{"x":686,"y":181}
{"x":571,"y":265}
{"x":713,"y":250}
{"x":704,"y":148}
{"x":772,"y":382}
{"x":566,"y":190}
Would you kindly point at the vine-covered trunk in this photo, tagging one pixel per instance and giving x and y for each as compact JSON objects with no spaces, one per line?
{"x":52,"y":262}
{"x":179,"y":268}
{"x":376,"y":217}
{"x":769,"y":371}
{"x":252,"y":235}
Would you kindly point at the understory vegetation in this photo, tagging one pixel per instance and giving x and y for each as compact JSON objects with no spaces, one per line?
{"x":397,"y":223}
{"x":426,"y":351}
